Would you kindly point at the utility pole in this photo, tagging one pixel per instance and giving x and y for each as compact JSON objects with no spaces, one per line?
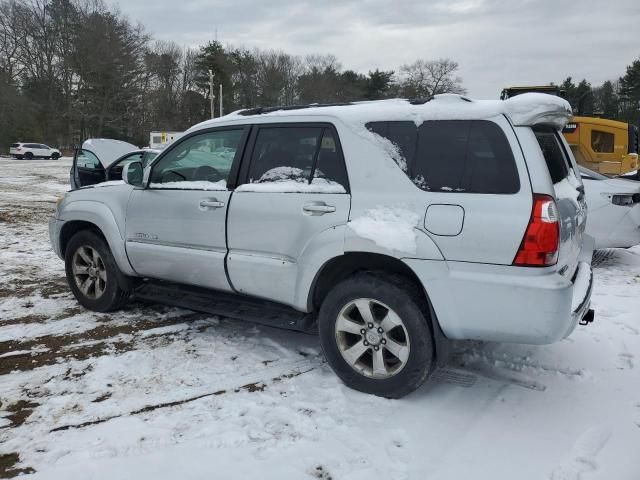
{"x":221,"y":114}
{"x":211,"y":94}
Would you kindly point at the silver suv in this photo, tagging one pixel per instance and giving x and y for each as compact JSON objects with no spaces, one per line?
{"x":388,"y":226}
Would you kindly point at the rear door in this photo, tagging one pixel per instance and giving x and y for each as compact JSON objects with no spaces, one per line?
{"x":569,"y":193}
{"x":43,"y":151}
{"x":294,"y":193}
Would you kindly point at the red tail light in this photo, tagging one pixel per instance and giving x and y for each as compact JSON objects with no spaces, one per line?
{"x":18,"y":148}
{"x":539,"y":247}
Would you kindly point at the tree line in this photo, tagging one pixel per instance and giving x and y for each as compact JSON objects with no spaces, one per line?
{"x":615,"y":100}
{"x":76,"y":69}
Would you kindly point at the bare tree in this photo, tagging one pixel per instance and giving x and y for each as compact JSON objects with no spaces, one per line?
{"x":425,"y":78}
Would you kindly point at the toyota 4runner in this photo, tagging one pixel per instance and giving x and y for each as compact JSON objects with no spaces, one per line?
{"x":388,"y":226}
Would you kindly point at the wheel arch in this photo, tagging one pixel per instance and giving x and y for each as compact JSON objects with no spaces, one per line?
{"x":98,"y":218}
{"x":69,"y":229}
{"x":338,"y":268}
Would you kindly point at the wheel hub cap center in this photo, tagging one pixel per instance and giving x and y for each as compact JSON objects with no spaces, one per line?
{"x":373,"y":337}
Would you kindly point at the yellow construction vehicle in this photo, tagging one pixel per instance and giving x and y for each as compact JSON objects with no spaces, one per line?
{"x":606,"y":146}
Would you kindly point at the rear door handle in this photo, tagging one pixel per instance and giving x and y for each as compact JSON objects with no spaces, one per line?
{"x":212,"y":203}
{"x":318,"y":209}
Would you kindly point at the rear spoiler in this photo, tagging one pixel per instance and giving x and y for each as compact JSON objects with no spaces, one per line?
{"x":531,"y":109}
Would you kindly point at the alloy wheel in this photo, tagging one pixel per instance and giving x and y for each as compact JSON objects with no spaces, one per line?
{"x":89,"y":272}
{"x":372,"y":338}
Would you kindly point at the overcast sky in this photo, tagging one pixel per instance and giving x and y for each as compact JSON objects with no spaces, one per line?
{"x":496,"y":42}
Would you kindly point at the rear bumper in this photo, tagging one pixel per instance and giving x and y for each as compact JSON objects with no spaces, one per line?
{"x":504,"y":303}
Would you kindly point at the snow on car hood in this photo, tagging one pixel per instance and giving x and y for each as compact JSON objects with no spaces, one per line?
{"x":107,"y":150}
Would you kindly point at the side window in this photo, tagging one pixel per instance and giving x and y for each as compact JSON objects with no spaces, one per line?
{"x":553,"y":153}
{"x":284,"y":154}
{"x":602,"y":142}
{"x":330,"y":168}
{"x":206,"y":157}
{"x":471,"y":156}
{"x":442,"y":156}
{"x":490,"y":166}
{"x":86,"y":159}
{"x":633,"y":139}
{"x":403,"y":136}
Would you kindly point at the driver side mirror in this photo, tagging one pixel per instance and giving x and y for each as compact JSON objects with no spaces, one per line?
{"x":132,"y":174}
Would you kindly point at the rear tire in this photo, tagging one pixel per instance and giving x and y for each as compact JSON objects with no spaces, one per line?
{"x":92,"y":273}
{"x":396,"y":352}
{"x":28,"y":156}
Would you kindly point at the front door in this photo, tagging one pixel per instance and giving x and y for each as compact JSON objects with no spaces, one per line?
{"x":175,"y":226}
{"x":290,"y":205}
{"x":86,"y":170}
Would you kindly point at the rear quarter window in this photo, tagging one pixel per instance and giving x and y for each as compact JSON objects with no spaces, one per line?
{"x":552,"y":151}
{"x":465,"y":156}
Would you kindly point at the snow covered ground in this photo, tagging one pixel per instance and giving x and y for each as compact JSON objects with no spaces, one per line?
{"x":156,"y":392}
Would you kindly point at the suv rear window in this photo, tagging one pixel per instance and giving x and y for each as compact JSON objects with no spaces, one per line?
{"x":553,"y":152}
{"x":471,"y":156}
{"x":15,"y":145}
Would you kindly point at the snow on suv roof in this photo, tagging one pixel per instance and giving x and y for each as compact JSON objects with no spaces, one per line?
{"x":523,"y":110}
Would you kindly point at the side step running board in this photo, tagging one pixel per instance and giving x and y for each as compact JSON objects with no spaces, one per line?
{"x":226,"y":304}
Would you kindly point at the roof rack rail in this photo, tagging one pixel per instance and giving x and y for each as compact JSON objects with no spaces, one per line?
{"x":263,"y":110}
{"x":420,"y":101}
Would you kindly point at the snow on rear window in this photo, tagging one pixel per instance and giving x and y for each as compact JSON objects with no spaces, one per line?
{"x":318,"y":185}
{"x":280,"y":174}
{"x":451,"y":155}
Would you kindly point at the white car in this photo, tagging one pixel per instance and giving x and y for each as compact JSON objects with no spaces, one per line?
{"x":29,"y":151}
{"x":614,"y":209}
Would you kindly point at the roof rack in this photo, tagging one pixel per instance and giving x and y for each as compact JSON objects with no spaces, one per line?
{"x":263,"y":110}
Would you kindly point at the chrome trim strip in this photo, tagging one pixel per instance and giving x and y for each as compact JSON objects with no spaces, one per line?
{"x":188,"y":246}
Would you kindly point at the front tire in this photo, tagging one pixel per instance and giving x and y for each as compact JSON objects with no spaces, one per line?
{"x":375,"y":333}
{"x":55,"y":156}
{"x":92,"y":273}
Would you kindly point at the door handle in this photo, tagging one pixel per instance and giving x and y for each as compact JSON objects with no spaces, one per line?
{"x":213,"y":203}
{"x":318,"y":209}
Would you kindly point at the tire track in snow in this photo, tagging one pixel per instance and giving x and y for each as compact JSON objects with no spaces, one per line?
{"x":583,"y":456}
{"x":257,"y":384}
